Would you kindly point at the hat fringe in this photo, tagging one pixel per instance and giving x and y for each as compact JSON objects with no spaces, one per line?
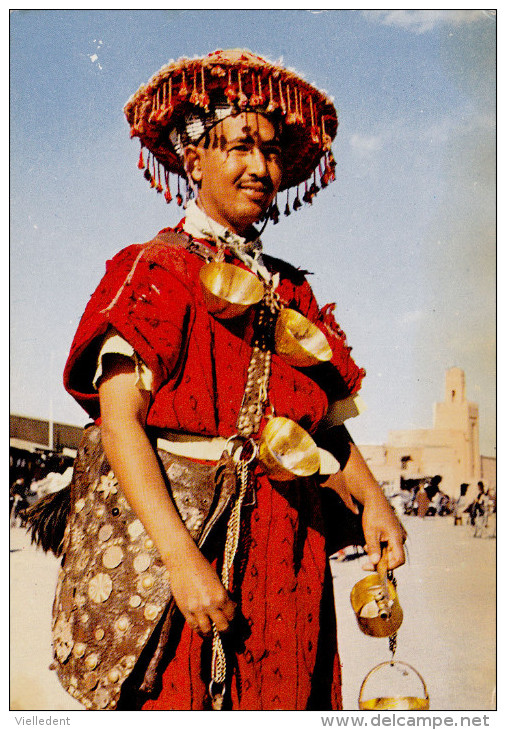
{"x":248,"y":82}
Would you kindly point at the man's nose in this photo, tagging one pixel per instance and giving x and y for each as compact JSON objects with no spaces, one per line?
{"x":257,"y":163}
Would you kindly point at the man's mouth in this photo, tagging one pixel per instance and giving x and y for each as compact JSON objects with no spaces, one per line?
{"x":255,"y":191}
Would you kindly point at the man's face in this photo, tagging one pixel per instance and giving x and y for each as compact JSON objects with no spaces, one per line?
{"x":239,"y":172}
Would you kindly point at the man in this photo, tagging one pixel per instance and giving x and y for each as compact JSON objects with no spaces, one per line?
{"x":259,"y":628}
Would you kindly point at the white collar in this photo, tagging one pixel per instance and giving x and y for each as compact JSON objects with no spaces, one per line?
{"x":199,"y":225}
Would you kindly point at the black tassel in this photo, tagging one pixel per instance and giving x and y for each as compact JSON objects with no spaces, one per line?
{"x":296,"y":203}
{"x":274,"y":213}
{"x":287,"y":206}
{"x":46,"y":520}
{"x":307,"y":197}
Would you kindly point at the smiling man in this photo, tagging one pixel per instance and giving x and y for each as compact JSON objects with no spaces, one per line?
{"x":237,"y":169}
{"x":196,"y":553}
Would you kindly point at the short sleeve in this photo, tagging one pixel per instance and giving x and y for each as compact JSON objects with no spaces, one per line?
{"x":148,"y":297}
{"x":114,"y":344}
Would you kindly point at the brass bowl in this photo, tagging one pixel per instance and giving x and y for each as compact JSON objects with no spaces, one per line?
{"x":228,"y":289}
{"x":299,"y":341}
{"x":287,"y":451}
{"x":376,"y":606}
{"x":396,"y":701}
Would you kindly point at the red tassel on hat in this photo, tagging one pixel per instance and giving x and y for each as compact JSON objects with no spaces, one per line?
{"x":332,"y":166}
{"x":159,"y":188}
{"x":258,"y":98}
{"x":158,"y":104}
{"x":315,"y":133}
{"x":167,"y":106}
{"x":291,"y":117}
{"x":194,"y":98}
{"x":323,"y":180}
{"x":230,"y":91}
{"x":179,"y":197}
{"x":298,"y":102}
{"x":204,"y":97}
{"x":326,"y":139}
{"x":281,"y":99}
{"x":183,"y":90}
{"x":147,"y":173}
{"x":273,"y":105}
{"x":242,"y":99}
{"x":168,"y":196}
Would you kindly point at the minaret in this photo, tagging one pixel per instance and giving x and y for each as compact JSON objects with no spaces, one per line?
{"x":457,"y":414}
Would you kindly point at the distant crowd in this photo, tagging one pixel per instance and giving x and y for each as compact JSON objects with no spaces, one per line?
{"x":425,"y":498}
{"x":33,"y":475}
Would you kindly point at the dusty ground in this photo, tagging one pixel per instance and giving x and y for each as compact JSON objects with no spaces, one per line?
{"x":447,"y":591}
{"x":448,"y":595}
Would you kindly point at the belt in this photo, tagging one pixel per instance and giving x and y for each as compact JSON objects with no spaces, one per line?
{"x":210,"y":448}
{"x":207,"y":448}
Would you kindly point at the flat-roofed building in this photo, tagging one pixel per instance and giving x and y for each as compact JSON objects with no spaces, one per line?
{"x":450,"y":448}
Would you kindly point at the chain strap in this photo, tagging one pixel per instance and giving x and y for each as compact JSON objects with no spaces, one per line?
{"x":392,"y":640}
{"x":252,"y":409}
{"x":256,"y":390}
{"x":218,"y":659}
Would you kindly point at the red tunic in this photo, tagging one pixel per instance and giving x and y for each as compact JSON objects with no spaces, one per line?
{"x":283,"y":645}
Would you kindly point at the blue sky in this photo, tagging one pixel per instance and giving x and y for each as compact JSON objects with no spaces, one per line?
{"x":403,"y":241}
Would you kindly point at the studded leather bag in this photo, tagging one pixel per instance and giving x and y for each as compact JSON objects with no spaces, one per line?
{"x":113,"y":594}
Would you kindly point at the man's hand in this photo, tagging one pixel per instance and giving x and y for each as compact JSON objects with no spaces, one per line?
{"x":200,"y":595}
{"x":379,"y":522}
{"x":382,"y":526}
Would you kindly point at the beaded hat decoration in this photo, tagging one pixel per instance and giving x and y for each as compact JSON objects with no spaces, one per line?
{"x":185,"y":98}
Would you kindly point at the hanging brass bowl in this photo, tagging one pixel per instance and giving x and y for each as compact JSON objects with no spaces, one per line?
{"x":287,"y":451}
{"x":401,"y":693}
{"x":299,"y":341}
{"x":228,"y":289}
{"x":376,"y":604}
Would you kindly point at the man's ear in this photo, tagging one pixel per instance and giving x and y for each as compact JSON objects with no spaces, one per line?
{"x":192,"y":162}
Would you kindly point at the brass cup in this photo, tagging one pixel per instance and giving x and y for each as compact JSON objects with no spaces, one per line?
{"x":228,"y":289}
{"x":396,"y":701}
{"x":376,"y":606}
{"x":287,"y":451}
{"x":299,"y":341}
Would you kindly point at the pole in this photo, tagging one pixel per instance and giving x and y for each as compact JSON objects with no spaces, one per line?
{"x":50,"y":423}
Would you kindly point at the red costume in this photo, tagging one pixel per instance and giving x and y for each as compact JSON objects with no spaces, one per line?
{"x":283,"y":644}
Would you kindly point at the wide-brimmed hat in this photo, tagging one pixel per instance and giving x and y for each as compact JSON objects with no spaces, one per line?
{"x":201,"y":91}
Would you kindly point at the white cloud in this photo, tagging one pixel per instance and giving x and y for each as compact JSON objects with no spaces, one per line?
{"x":445,"y":129}
{"x":366,"y":144}
{"x":422,"y":21}
{"x":413,"y":317}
